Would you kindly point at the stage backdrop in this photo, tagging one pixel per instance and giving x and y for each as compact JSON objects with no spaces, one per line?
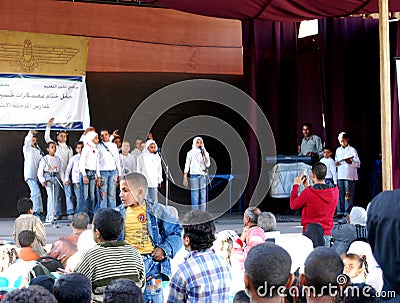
{"x":43,"y":76}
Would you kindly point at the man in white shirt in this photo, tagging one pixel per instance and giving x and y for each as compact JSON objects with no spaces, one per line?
{"x":64,"y":152}
{"x":31,"y":163}
{"x":347,"y":162}
{"x":197,"y":163}
{"x":138,"y":149}
{"x":110,"y":170}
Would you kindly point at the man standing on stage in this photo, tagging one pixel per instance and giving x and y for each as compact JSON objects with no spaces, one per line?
{"x":31,"y":163}
{"x":197,"y":163}
{"x":310,"y":144}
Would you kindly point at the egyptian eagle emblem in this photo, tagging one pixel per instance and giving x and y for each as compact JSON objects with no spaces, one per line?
{"x":28,"y":57}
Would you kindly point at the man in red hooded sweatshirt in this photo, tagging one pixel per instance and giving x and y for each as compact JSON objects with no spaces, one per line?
{"x":318,"y":201}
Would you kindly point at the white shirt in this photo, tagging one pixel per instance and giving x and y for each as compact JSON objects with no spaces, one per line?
{"x":89,"y":160}
{"x":331,"y":172}
{"x":128,"y":163}
{"x":136,"y":152}
{"x":149,"y":165}
{"x":49,"y":164}
{"x":109,"y":159}
{"x":347,"y":171}
{"x":73,"y":169}
{"x":195,"y":162}
{"x":31,"y":158}
{"x":63,"y":151}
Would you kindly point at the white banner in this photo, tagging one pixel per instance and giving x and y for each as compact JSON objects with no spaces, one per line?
{"x":28,"y":102}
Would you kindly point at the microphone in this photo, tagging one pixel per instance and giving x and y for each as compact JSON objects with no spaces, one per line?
{"x":40,"y":150}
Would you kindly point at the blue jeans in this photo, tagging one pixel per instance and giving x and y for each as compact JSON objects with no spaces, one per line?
{"x":77,"y":193}
{"x":108,"y":189}
{"x":53,"y":190}
{"x":198,"y":191}
{"x":153,"y":292}
{"x":36,"y":195}
{"x":346,"y":195}
{"x":68,"y":200}
{"x":87,"y":195}
{"x":152,"y":194}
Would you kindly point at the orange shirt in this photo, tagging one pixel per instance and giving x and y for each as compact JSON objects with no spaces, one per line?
{"x":28,"y":254}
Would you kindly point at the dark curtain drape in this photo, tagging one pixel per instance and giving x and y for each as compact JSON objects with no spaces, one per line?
{"x":330,"y":80}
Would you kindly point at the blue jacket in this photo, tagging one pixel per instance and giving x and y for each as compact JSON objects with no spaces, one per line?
{"x":164,"y":231}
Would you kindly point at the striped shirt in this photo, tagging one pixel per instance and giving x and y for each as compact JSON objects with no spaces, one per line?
{"x":108,"y":261}
{"x":203,"y":277}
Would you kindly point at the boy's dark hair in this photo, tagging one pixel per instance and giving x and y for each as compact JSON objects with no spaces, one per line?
{"x":308,"y":124}
{"x":34,"y":293}
{"x":323,"y":268}
{"x":315,"y":232}
{"x":123,"y":291}
{"x":241,"y":297}
{"x":79,"y":143}
{"x":199,"y":226}
{"x":73,"y":288}
{"x":268,"y":267}
{"x":26,"y":238}
{"x":24,"y":205}
{"x":328,"y":147}
{"x":81,"y":220}
{"x":50,"y":143}
{"x":319,"y":170}
{"x":109,"y":223}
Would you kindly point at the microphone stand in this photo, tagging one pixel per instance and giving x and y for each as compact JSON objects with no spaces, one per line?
{"x":205,"y":176}
{"x":167,"y":175}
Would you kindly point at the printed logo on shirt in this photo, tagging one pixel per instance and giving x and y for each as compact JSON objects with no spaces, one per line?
{"x":142,"y":218}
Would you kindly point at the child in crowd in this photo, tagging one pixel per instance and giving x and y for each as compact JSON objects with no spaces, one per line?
{"x":26,"y":239}
{"x":27,"y":221}
{"x":89,"y":175}
{"x":72,"y":173}
{"x":149,"y":165}
{"x":50,"y":172}
{"x":331,"y":173}
{"x":127,"y":160}
{"x":355,"y":267}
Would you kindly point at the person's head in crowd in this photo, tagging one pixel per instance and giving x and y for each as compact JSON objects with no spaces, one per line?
{"x":79,"y":147}
{"x":104,"y":135}
{"x":138,"y":142}
{"x":318,"y":172}
{"x":250,"y":216}
{"x":117,"y":141}
{"x":107,"y":225}
{"x":44,"y":281}
{"x":51,"y":148}
{"x":241,"y":297}
{"x":80,"y":221}
{"x":327,"y":152}
{"x":33,"y":293}
{"x":142,"y":146}
{"x":267,"y":272}
{"x":91,"y":138}
{"x":150,"y":136}
{"x":123,"y":291}
{"x":267,"y":221}
{"x":358,"y":215}
{"x":353,"y":264}
{"x":133,"y":189}
{"x":360,"y":293}
{"x":26,"y":238}
{"x":125,"y":147}
{"x":315,"y":232}
{"x":322,"y":270}
{"x":198,"y":230}
{"x":24,"y":206}
{"x":151,"y":146}
{"x":62,"y":136}
{"x":73,"y":288}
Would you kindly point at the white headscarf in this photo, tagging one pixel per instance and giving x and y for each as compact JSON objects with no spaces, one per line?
{"x":358,"y":215}
{"x":194,"y":143}
{"x":89,"y":138}
{"x":146,"y":151}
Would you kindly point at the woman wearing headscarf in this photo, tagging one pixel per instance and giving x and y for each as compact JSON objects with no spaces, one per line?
{"x":197,"y":163}
{"x":149,"y":165}
{"x":346,"y":231}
